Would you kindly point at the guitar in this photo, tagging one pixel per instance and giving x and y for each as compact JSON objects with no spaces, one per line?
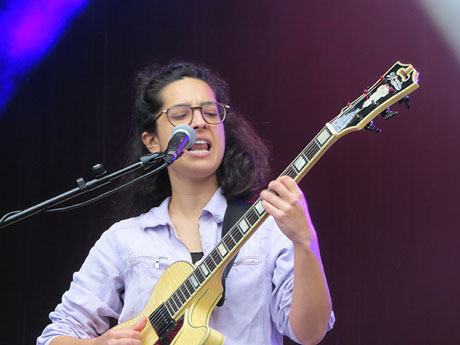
{"x":180,"y":305}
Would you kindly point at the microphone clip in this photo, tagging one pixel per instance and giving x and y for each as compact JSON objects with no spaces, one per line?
{"x":152,"y":159}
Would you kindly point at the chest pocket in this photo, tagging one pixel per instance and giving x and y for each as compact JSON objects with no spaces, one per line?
{"x":248,"y":272}
{"x":141,"y":260}
{"x":247,"y":261}
{"x":142,"y":268}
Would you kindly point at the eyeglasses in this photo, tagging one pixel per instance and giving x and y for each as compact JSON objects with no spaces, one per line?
{"x":212,"y":112}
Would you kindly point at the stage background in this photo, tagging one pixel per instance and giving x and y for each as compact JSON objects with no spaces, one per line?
{"x":385,"y":205}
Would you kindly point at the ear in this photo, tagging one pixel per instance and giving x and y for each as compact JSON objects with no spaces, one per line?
{"x":150,"y":141}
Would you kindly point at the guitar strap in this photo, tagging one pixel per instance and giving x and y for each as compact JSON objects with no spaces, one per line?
{"x":235,"y":209}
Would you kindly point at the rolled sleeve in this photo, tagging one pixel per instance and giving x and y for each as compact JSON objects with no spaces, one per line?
{"x":283,"y":282}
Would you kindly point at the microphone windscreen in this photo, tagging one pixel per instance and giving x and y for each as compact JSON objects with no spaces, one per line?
{"x":188,"y":130}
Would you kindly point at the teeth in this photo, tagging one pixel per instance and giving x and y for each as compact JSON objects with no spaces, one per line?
{"x":200,"y":146}
{"x":199,"y":151}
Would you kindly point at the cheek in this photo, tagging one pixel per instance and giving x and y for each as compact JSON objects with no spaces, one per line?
{"x":163,"y":140}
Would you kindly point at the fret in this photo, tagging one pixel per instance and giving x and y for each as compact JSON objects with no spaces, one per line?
{"x":229,"y":241}
{"x":181,"y":296}
{"x":290,"y":171}
{"x":184,"y":291}
{"x":210,"y":263}
{"x":168,"y":307}
{"x":252,"y":216}
{"x":236,"y":233}
{"x":176,"y":300}
{"x":199,"y":275}
{"x":173,"y":304}
{"x":189,"y":286}
{"x":311,"y":150}
{"x":215,"y":255}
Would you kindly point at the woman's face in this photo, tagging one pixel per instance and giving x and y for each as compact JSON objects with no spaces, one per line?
{"x":204,"y":158}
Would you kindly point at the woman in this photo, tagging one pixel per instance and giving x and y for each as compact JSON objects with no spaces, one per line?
{"x":276,"y":286}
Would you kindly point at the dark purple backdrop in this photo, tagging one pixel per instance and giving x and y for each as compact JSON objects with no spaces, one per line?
{"x":385,"y":205}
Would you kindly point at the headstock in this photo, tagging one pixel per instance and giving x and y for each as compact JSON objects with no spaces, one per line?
{"x":394,"y":86}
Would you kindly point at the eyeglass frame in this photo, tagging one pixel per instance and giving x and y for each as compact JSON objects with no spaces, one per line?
{"x":225,"y":106}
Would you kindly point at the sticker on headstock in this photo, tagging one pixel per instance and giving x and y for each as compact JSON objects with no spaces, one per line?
{"x":394,"y":80}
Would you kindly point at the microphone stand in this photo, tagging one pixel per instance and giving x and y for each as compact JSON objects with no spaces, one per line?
{"x":102,"y":178}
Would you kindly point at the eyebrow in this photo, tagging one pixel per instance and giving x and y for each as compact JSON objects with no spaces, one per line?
{"x":189,"y":104}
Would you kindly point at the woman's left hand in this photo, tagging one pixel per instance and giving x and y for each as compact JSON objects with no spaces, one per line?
{"x":289,"y":209}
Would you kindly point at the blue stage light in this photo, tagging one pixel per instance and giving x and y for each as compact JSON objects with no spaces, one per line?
{"x":28,"y":29}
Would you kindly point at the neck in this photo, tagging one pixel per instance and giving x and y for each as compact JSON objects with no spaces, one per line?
{"x":188,"y":198}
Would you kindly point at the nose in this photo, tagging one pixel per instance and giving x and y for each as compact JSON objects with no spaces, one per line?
{"x":197,"y":119}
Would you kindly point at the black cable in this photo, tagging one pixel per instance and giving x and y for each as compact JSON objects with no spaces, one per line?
{"x":5,"y":217}
{"x":103,"y":195}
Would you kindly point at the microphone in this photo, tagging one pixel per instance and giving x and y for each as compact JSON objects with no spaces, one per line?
{"x":182,"y":137}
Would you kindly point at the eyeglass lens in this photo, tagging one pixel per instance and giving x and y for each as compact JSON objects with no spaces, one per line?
{"x":212,"y":113}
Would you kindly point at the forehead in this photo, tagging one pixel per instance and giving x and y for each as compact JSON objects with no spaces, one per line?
{"x":188,"y":91}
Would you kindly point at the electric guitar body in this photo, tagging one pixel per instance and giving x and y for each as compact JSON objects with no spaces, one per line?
{"x":181,"y":303}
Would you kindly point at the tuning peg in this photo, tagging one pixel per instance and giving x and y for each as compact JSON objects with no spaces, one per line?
{"x":371,"y":127}
{"x":406,"y":101}
{"x":387,"y":113}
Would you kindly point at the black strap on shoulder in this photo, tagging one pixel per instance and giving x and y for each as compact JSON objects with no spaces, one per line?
{"x":235,"y":209}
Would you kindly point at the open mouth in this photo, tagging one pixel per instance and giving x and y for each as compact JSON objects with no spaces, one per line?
{"x":200,"y":146}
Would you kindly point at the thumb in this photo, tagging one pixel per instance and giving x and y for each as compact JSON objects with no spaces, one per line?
{"x":139,"y":325}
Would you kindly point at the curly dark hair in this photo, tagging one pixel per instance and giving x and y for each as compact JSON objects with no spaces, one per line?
{"x":244,"y":169}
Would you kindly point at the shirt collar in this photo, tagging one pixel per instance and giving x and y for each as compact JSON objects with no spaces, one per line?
{"x":159,"y":216}
{"x":216,"y":206}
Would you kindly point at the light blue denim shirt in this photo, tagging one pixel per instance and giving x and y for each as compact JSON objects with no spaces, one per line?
{"x":124,"y":265}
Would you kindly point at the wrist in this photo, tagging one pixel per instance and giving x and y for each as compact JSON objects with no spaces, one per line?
{"x":306,"y":246}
